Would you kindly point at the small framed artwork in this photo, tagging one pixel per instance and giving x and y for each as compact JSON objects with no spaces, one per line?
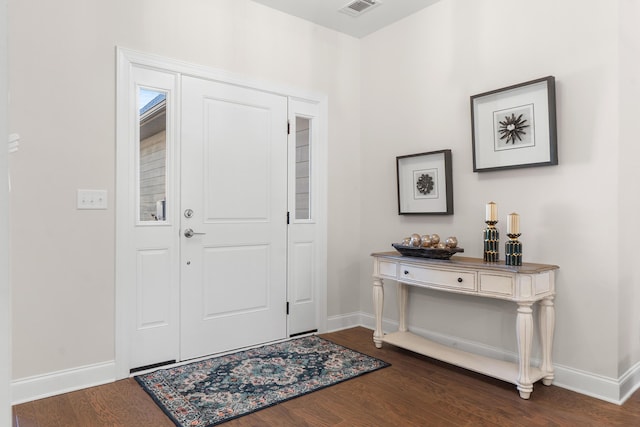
{"x":515,"y":127}
{"x":425,"y":183}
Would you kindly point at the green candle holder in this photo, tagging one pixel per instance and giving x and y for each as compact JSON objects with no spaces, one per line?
{"x":513,"y":250}
{"x":491,"y":242}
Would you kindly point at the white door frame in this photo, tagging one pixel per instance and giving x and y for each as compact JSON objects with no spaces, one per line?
{"x":127,"y":60}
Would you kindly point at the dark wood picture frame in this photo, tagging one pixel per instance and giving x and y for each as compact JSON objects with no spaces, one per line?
{"x":515,"y":126}
{"x":425,"y":183}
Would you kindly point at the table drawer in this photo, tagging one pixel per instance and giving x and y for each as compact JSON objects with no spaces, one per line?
{"x":387,"y":269}
{"x":497,"y":284}
{"x":434,"y":277}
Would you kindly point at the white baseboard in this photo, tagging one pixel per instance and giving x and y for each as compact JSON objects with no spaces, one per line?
{"x":630,"y":382}
{"x":344,"y":321}
{"x":54,"y":383}
{"x":614,"y":390}
{"x":590,"y":384}
{"x":604,"y":388}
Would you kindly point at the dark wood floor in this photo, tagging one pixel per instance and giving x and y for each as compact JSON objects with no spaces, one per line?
{"x":414,"y":391}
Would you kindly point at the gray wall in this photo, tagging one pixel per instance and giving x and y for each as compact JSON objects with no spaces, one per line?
{"x":579,"y":215}
{"x":5,"y":298}
{"x":412,"y":98}
{"x":64,"y":308}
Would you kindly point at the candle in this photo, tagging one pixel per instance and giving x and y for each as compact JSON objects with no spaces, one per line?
{"x":513,"y":223}
{"x":492,"y":212}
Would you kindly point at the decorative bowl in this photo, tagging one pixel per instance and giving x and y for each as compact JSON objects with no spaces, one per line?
{"x":435,"y":253}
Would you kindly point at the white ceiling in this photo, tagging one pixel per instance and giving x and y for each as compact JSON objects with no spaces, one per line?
{"x":325,"y":13}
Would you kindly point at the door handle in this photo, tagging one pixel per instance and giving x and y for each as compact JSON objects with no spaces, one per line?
{"x":189,"y":233}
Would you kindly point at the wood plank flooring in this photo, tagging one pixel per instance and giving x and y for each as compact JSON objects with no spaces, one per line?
{"x":414,"y":391}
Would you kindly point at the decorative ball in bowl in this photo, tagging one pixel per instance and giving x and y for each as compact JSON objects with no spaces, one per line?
{"x":415,"y":240}
{"x":451,"y":242}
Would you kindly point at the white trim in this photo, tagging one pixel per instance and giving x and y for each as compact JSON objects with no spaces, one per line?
{"x":322,"y":211}
{"x":54,"y":383}
{"x":587,"y":383}
{"x":629,"y":382}
{"x":609,"y":389}
{"x":130,"y":56}
{"x":124,"y":124}
{"x":597,"y":386}
{"x":344,"y":321}
{"x":126,"y":60}
{"x":605,"y":388}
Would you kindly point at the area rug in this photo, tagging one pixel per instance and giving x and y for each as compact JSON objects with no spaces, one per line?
{"x":212,"y":391}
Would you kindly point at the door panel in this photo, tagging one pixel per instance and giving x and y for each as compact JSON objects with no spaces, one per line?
{"x":302,"y":274}
{"x":248,"y":295}
{"x":304,"y":287}
{"x":237,"y":172}
{"x":153,"y":288}
{"x":234,"y":179}
{"x":155,"y":322}
{"x":148,"y":246}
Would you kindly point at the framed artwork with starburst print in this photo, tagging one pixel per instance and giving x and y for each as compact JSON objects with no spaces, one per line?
{"x":425,"y":183}
{"x":515,"y":127}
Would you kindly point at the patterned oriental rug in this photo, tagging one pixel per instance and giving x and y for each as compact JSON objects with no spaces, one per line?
{"x":212,"y":391}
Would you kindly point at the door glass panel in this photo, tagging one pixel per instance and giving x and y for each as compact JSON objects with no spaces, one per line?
{"x":152,"y":169}
{"x":303,"y":168}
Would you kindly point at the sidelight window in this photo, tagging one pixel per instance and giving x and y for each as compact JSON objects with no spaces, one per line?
{"x":152,"y":167}
{"x":303,"y":168}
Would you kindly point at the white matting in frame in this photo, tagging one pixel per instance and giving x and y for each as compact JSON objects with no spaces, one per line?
{"x":515,"y":127}
{"x":424,"y":183}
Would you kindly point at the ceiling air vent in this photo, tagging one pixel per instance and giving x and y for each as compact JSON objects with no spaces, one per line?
{"x":358,"y":7}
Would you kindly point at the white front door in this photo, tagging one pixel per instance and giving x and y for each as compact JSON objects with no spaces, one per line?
{"x":225,"y":161}
{"x":234,"y":200}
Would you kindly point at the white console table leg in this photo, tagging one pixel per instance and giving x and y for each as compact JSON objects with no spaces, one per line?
{"x":378,"y":302}
{"x":547,"y":325}
{"x":403,"y":295}
{"x":524,"y":331}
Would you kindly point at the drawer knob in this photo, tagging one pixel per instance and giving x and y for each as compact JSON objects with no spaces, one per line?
{"x":406,"y":272}
{"x":459,"y":279}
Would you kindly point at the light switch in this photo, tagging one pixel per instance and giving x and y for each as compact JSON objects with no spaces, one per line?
{"x":92,"y":199}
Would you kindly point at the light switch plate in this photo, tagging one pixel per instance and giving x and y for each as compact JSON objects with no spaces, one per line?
{"x":92,"y":199}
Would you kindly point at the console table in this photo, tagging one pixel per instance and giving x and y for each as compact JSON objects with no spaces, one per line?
{"x":525,"y":285}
